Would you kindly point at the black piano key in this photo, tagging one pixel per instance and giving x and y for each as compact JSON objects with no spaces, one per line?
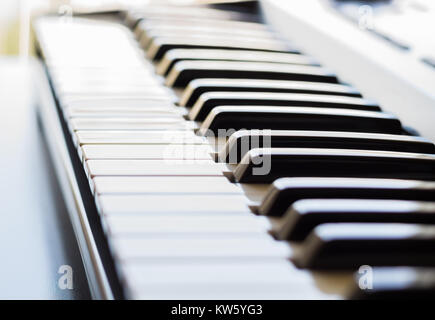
{"x":197,"y":87}
{"x":350,"y":245}
{"x":244,"y":140}
{"x":173,"y":56}
{"x":159,"y":46}
{"x":393,"y":283}
{"x":185,"y":71}
{"x":210,"y":100}
{"x":305,"y":215}
{"x":283,"y":118}
{"x":285,"y":191}
{"x":268,"y":164}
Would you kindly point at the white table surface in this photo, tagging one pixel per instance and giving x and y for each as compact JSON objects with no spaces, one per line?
{"x":36,"y":237}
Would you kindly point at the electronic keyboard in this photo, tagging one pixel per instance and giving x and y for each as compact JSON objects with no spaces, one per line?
{"x":203,"y":155}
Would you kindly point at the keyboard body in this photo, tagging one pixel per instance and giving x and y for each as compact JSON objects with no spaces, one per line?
{"x":152,"y":225}
{"x":406,"y":76}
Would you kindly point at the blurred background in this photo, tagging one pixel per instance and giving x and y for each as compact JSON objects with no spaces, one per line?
{"x":9,"y":26}
{"x":14,"y":15}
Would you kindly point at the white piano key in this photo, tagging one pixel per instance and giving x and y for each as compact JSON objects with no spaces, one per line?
{"x":96,"y":61}
{"x":106,"y":89}
{"x":67,"y":97}
{"x":150,"y":204}
{"x":137,"y":248}
{"x":221,"y":279}
{"x":67,"y":79}
{"x":89,"y":61}
{"x":165,"y":185}
{"x":107,"y":103}
{"x":68,"y":75}
{"x":93,"y":78}
{"x":132,"y":225}
{"x":102,"y":92}
{"x":100,"y":50}
{"x":154,"y":168}
{"x":107,"y":108}
{"x":274,"y":270}
{"x":170,"y":11}
{"x":138,"y":137}
{"x":152,"y":100}
{"x":174,"y":31}
{"x":237,"y":291}
{"x":123,"y":112}
{"x":230,"y":292}
{"x":130,"y":124}
{"x":143,"y":151}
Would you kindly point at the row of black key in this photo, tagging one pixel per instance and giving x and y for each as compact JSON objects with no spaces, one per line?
{"x":350,"y":183}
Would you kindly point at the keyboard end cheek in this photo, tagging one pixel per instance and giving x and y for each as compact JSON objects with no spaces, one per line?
{"x":230,"y":176}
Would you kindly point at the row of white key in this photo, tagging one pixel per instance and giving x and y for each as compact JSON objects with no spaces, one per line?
{"x":175,"y":224}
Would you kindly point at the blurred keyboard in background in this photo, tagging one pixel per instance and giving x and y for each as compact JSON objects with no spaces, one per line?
{"x":407,"y":24}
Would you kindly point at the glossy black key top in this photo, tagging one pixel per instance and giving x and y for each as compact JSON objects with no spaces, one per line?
{"x":185,"y":71}
{"x":283,"y":118}
{"x":242,"y":141}
{"x":197,"y":87}
{"x":304,"y":215}
{"x":210,"y":100}
{"x":268,"y":164}
{"x":285,"y":191}
{"x":158,"y":47}
{"x":173,"y":56}
{"x":350,"y":245}
{"x":393,"y":283}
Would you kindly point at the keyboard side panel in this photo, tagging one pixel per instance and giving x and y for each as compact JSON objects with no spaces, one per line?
{"x":82,"y":213}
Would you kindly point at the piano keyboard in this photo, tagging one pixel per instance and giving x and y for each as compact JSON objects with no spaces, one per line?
{"x":225,"y":164}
